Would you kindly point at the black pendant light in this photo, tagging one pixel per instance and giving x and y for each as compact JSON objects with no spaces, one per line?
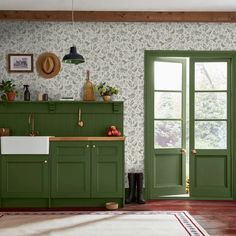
{"x":73,"y":57}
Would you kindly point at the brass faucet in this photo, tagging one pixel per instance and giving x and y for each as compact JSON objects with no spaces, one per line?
{"x":32,"y":132}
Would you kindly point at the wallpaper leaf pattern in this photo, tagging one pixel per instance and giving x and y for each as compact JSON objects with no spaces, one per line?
{"x":114,"y":53}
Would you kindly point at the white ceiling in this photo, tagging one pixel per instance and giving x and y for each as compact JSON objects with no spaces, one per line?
{"x":120,"y":5}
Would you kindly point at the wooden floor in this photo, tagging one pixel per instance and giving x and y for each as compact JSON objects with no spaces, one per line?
{"x":218,"y":218}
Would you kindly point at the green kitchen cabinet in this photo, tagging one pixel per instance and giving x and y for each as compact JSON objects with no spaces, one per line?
{"x":70,"y":170}
{"x":92,"y":169}
{"x":107,"y":169}
{"x":87,"y":172}
{"x":25,"y":176}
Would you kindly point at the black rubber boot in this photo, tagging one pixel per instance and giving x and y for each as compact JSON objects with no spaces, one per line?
{"x":139,"y":180}
{"x":132,"y":188}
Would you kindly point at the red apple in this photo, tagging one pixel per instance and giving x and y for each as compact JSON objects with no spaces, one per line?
{"x":115,"y":132}
{"x":112,"y":131}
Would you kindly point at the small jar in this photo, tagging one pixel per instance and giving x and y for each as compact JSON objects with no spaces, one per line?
{"x":45,"y":97}
{"x":40,"y":96}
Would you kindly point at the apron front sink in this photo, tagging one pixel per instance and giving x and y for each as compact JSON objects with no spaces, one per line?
{"x":25,"y":145}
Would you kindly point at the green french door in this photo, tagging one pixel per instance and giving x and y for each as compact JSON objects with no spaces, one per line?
{"x":168,"y":163}
{"x":210,"y":159}
{"x":188,"y":104}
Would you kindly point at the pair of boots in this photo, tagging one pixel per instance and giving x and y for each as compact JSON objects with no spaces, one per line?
{"x":135,"y":179}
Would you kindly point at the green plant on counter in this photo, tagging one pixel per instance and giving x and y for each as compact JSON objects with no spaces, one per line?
{"x":105,"y":90}
{"x":7,"y":87}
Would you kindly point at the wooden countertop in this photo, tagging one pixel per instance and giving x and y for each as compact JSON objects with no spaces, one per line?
{"x":110,"y":138}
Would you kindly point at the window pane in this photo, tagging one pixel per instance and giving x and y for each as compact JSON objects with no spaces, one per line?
{"x":168,"y":75}
{"x":211,"y":76}
{"x":168,"y":105}
{"x":167,"y":134}
{"x":211,"y":105}
{"x":210,"y":134}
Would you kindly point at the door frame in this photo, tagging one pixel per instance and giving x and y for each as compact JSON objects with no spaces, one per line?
{"x":149,"y":55}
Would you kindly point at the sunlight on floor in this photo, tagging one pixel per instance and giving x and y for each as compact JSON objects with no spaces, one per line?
{"x":178,"y":195}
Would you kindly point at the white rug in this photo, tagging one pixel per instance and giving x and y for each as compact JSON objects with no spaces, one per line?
{"x":103,"y":223}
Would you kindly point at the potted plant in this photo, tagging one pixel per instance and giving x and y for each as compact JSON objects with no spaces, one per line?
{"x":105,"y":91}
{"x":8,"y":90}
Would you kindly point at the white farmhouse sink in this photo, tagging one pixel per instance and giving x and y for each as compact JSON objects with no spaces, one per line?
{"x":24,"y":145}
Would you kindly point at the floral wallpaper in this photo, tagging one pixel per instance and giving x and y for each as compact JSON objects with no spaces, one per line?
{"x":114,"y":52}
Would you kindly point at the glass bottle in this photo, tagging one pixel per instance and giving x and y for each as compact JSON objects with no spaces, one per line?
{"x":26,"y":93}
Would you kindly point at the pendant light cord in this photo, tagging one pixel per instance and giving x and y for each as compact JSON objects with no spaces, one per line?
{"x":72,"y":14}
{"x":73,"y":57}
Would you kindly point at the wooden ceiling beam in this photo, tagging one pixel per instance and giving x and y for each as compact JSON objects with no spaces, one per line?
{"x":119,"y":16}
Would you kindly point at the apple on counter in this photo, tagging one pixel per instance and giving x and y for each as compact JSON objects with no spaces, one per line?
{"x":112,"y":131}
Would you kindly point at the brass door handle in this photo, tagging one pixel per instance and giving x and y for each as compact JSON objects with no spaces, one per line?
{"x":194,"y":151}
{"x":45,"y":161}
{"x":183,"y":151}
{"x":94,"y":146}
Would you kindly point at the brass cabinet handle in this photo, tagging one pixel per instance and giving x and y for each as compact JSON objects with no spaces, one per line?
{"x":183,"y":151}
{"x":94,"y":146}
{"x":45,"y":161}
{"x":194,"y":151}
{"x":87,"y":146}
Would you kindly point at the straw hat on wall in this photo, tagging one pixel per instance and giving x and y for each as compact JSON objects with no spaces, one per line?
{"x":48,"y":65}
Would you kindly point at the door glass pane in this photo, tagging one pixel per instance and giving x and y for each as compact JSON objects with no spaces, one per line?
{"x":168,"y":105}
{"x":210,"y":134}
{"x":167,"y":134}
{"x":211,"y":105}
{"x":211,"y":75}
{"x":168,"y":75}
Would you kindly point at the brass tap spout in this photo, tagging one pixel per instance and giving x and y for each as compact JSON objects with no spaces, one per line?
{"x":32,"y":132}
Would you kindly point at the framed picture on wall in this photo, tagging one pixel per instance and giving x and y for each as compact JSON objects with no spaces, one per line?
{"x":20,"y":62}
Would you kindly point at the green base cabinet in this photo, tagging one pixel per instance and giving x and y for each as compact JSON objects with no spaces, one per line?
{"x":70,"y":176}
{"x":107,"y":169}
{"x":75,"y":174}
{"x":87,"y":169}
{"x":25,"y":176}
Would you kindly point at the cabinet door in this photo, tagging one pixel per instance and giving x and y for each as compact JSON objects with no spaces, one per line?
{"x":70,"y":169}
{"x":25,"y":176}
{"x":107,"y":169}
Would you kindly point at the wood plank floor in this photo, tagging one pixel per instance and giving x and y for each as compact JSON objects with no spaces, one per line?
{"x":218,"y":218}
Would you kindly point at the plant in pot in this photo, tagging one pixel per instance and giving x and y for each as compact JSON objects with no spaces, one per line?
{"x":105,"y":91}
{"x":8,"y":90}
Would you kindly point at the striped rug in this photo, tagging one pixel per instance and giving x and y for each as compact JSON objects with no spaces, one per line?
{"x":99,"y":223}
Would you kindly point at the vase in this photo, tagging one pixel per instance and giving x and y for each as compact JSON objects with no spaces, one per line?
{"x":11,"y":96}
{"x":106,"y":98}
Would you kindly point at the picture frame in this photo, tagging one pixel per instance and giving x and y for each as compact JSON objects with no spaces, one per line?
{"x":20,"y":63}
